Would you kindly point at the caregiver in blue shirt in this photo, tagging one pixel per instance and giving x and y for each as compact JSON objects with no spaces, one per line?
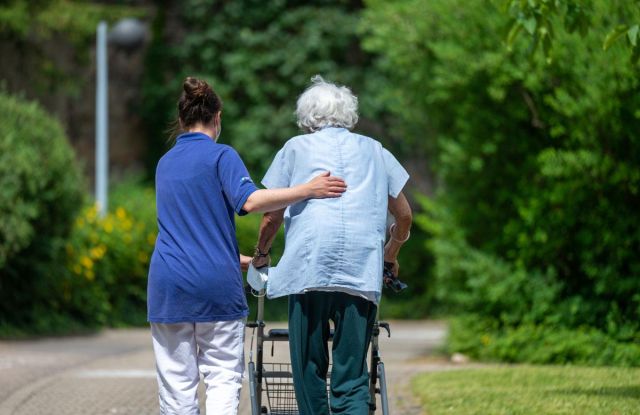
{"x":196,"y":302}
{"x":332,"y":264}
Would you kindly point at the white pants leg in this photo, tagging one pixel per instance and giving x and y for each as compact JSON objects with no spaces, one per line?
{"x":182,"y":350}
{"x":221,"y":361}
{"x":175,"y":350}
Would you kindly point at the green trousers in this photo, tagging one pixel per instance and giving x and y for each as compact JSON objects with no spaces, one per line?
{"x":353,"y":319}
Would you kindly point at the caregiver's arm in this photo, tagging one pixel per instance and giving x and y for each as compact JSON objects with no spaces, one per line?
{"x":399,"y":230}
{"x":271,"y":222}
{"x":321,"y":187}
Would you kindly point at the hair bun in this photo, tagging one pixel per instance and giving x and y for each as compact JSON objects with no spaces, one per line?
{"x":198,"y":103}
{"x":196,"y":88}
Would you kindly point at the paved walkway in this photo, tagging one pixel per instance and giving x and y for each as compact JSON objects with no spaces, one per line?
{"x":113,"y":372}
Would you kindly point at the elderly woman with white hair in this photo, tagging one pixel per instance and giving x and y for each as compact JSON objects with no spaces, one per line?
{"x":332,"y":265}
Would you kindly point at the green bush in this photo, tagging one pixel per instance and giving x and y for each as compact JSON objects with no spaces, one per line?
{"x":108,"y":258}
{"x":40,"y":193}
{"x":536,"y":221}
{"x":483,"y":338}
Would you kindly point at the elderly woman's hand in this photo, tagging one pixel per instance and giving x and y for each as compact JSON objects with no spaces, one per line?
{"x":326,"y":186}
{"x":261,"y":261}
{"x":396,"y":267}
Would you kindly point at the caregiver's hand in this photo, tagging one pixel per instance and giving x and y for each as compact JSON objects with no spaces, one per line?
{"x":320,"y":187}
{"x":244,"y":262}
{"x":326,"y":186}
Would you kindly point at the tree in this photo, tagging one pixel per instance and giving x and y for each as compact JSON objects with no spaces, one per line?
{"x":537,"y":160}
{"x":41,"y":191}
{"x":30,"y":28}
{"x":541,"y":19}
{"x":259,"y":56}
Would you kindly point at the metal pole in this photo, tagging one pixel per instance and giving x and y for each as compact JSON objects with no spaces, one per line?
{"x":102,"y":116}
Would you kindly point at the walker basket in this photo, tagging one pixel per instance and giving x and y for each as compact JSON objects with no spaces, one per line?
{"x":278,"y":387}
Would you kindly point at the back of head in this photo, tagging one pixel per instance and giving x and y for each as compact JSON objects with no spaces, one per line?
{"x":325,"y":104}
{"x":198,"y":103}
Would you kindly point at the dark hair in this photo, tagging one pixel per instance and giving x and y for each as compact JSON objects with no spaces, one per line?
{"x":197,"y":104}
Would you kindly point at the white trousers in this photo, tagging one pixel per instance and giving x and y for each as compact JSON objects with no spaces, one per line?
{"x":184,"y":350}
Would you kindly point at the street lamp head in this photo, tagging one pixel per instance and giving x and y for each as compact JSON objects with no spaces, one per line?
{"x":128,"y":33}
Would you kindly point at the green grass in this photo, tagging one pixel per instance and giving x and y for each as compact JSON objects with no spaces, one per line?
{"x":517,"y":390}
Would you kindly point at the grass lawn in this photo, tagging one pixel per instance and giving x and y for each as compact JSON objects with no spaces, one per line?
{"x":516,"y":390}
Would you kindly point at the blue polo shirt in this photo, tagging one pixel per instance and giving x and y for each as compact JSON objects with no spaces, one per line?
{"x":194,"y":274}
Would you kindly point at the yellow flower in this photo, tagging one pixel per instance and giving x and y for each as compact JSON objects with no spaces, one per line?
{"x":143,"y":256}
{"x":86,"y":261}
{"x":151,"y":238}
{"x":77,"y":269}
{"x":79,"y":222}
{"x":69,"y":249}
{"x":97,"y":252}
{"x":121,"y":213}
{"x":485,"y":339}
{"x":108,"y":227}
{"x":89,"y":275}
{"x":91,"y":214}
{"x":127,"y":225}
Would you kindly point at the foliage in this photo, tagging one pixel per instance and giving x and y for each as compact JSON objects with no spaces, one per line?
{"x":100,"y":278}
{"x":519,"y":390}
{"x":538,"y":19}
{"x":482,"y":338}
{"x":468,"y":279}
{"x":42,"y":18}
{"x":259,"y":56}
{"x":40,"y":191}
{"x":109,"y":258}
{"x":536,"y":221}
{"x":36,"y":30}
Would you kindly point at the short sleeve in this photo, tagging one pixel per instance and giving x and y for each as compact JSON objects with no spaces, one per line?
{"x":396,"y":174}
{"x":279,"y":173}
{"x":235,"y":180}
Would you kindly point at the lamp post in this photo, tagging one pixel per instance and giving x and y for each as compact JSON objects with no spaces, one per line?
{"x":128,"y":33}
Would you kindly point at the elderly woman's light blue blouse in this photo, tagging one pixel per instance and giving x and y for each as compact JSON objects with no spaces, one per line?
{"x":335,"y":244}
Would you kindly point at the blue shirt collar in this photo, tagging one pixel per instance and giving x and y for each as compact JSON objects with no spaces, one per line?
{"x":189,"y":136}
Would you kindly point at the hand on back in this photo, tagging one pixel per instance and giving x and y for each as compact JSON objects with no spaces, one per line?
{"x":326,"y":186}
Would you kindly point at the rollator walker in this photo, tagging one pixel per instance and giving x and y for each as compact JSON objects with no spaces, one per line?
{"x":271,"y":383}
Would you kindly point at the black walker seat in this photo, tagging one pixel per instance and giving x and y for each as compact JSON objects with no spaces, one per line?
{"x":283,"y":335}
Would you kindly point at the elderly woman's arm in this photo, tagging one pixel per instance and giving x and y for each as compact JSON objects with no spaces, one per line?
{"x":271,"y":222}
{"x":321,"y":187}
{"x":399,"y":232}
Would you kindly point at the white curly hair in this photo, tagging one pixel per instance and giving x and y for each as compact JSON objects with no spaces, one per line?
{"x":325,"y":104}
